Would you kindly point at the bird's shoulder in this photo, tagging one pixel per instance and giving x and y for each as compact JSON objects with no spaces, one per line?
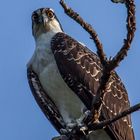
{"x":82,"y":71}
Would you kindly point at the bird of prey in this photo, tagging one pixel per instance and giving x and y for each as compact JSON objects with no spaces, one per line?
{"x":64,"y":76}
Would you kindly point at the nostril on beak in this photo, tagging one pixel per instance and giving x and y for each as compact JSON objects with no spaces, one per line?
{"x":44,"y":18}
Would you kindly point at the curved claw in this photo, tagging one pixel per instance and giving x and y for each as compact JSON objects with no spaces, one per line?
{"x":84,"y":129}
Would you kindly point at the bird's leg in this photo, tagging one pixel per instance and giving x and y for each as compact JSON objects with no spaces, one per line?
{"x":77,"y":125}
{"x":70,"y":125}
{"x":80,"y":122}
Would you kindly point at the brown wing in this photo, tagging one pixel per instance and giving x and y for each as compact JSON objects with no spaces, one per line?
{"x":44,"y":101}
{"x":81,"y":69}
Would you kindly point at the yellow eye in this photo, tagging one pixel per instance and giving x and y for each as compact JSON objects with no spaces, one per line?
{"x":50,"y":14}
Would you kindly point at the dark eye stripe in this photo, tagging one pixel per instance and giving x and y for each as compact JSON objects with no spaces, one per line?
{"x":34,"y":16}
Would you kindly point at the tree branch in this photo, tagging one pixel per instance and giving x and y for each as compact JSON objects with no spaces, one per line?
{"x":76,"y":17}
{"x":131,"y":27}
{"x":104,"y":123}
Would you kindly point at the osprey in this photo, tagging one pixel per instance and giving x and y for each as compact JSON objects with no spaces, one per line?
{"x":64,"y":76}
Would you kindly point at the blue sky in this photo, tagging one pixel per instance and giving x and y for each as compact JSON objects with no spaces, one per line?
{"x":20,"y":116}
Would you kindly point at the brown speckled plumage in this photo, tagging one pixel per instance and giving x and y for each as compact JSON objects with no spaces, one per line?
{"x":81,"y":70}
{"x":83,"y":67}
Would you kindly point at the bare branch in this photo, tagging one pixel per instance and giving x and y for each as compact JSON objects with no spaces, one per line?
{"x":104,"y":123}
{"x":131,"y":27}
{"x":76,"y":17}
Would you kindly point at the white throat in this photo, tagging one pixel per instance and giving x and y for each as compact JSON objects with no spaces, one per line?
{"x":43,"y":48}
{"x":45,"y":38}
{"x":52,"y":27}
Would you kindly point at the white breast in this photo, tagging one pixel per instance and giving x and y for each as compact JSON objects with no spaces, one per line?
{"x":68,"y":103}
{"x":43,"y":63}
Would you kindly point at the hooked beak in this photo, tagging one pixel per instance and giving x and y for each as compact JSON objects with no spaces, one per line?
{"x":44,"y":19}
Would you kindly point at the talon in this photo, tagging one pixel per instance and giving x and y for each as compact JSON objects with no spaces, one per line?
{"x":84,"y":129}
{"x":83,"y":117}
{"x":87,"y":113}
{"x":71,"y":125}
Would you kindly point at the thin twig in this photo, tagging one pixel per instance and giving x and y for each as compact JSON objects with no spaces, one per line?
{"x":131,"y":27}
{"x":104,"y":123}
{"x":76,"y":17}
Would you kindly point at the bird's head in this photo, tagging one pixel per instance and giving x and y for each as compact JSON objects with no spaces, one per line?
{"x":44,"y":20}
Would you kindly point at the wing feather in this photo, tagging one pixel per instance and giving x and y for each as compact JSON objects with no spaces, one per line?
{"x":44,"y":101}
{"x":81,"y":69}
